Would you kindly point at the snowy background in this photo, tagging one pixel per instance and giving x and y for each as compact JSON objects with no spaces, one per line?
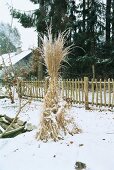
{"x":94,"y":146}
{"x":28,"y":35}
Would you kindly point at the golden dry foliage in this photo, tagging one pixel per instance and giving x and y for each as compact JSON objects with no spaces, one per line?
{"x":53,"y":119}
{"x":53,"y":52}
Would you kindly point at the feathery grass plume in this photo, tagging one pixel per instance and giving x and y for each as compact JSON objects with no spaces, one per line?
{"x":53,"y":52}
{"x":53,"y":120}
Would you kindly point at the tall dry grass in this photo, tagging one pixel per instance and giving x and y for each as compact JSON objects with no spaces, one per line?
{"x":53,"y":51}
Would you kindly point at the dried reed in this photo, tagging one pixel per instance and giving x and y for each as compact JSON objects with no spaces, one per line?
{"x":53,"y":51}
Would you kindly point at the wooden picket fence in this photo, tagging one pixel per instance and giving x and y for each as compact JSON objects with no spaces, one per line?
{"x":99,"y":93}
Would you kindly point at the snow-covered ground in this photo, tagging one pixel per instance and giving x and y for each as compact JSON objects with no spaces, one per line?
{"x":94,"y":146}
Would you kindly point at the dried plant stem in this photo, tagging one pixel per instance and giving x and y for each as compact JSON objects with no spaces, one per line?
{"x":53,"y":120}
{"x":48,"y":124}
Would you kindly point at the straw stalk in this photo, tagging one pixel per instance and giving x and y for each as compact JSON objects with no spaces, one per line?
{"x":54,"y":120}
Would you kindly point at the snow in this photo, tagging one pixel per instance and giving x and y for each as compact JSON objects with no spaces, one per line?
{"x":14,"y":57}
{"x":94,"y":146}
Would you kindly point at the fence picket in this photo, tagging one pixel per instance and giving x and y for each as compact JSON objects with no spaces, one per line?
{"x":70,"y":90}
{"x":109,"y":103}
{"x":67,"y":90}
{"x":113,"y":95}
{"x":86,"y":92}
{"x":74,"y":89}
{"x":96,"y":93}
{"x":105,"y":92}
{"x":76,"y":92}
{"x":92,"y":92}
{"x":100,"y":92}
{"x":82,"y":89}
{"x":79,"y":90}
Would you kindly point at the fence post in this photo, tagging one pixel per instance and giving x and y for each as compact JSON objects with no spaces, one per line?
{"x":86,"y":92}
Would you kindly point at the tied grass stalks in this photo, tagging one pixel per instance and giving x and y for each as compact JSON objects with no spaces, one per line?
{"x":53,"y":120}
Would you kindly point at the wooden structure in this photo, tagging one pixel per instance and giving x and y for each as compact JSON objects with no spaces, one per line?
{"x":99,"y":93}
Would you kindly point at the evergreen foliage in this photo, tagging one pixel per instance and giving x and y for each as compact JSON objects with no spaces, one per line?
{"x":9,"y":38}
{"x":90,"y":24}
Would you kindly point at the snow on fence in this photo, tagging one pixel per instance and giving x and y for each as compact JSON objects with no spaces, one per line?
{"x":99,"y":93}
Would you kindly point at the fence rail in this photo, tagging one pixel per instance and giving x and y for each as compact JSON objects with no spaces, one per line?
{"x":79,"y":91}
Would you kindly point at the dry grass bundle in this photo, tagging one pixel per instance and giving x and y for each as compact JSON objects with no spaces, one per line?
{"x":53,"y":116}
{"x":53,"y":52}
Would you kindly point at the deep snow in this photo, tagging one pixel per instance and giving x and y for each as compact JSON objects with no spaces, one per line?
{"x":94,"y":146}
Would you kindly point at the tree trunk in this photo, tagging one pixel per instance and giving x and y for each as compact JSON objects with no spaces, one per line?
{"x":92,"y":29}
{"x":83,"y":15}
{"x":93,"y":71}
{"x":113,"y":23}
{"x":108,"y":17}
{"x":88,"y":6}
